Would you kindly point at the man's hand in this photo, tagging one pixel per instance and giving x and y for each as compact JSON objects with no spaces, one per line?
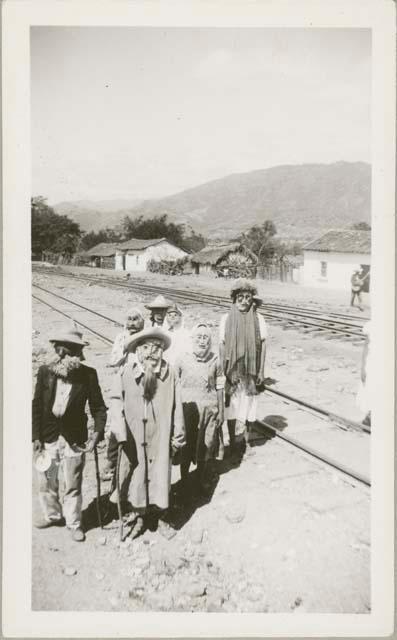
{"x":260,"y":380}
{"x":37,"y":446}
{"x":91,"y":443}
{"x":220,"y":418}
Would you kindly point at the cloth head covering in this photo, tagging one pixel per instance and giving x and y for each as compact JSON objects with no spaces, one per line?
{"x":70,"y":334}
{"x":136,"y":339}
{"x":242,"y":284}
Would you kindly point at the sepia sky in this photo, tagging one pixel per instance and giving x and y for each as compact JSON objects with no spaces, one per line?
{"x":123,"y":112}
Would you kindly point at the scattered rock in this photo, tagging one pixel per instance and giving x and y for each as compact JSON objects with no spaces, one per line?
{"x":340,"y":388}
{"x":99,"y":575}
{"x":102,"y":540}
{"x":70,"y":571}
{"x":317,"y":368}
{"x":254,"y":593}
{"x":142,"y":562}
{"x":195,"y":589}
{"x":280,"y":364}
{"x":197,"y":536}
{"x":235,"y":514}
{"x":114,"y":601}
{"x":136,"y":593}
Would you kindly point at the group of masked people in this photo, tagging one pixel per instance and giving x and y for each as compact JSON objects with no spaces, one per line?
{"x":171,"y":394}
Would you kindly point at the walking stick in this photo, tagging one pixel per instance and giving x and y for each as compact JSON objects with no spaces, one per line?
{"x":144,"y":445}
{"x":98,"y":488}
{"x":119,"y":450}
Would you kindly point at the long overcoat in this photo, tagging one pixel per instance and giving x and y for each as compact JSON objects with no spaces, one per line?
{"x":147,"y":444}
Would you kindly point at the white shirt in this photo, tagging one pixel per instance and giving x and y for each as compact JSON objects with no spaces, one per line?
{"x":222,"y":327}
{"x":61,"y":397}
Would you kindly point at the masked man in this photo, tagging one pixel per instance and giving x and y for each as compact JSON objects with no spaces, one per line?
{"x":147,"y":418}
{"x":63,"y":388}
{"x":242,"y":342}
{"x":158,"y":310}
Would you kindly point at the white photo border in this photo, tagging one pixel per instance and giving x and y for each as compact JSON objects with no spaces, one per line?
{"x":17,"y":18}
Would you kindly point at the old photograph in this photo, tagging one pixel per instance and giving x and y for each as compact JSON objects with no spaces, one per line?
{"x":205,"y":295}
{"x":201,"y":246}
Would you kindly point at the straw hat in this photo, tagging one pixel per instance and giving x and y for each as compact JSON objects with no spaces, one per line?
{"x":70,"y":334}
{"x":159,"y":303}
{"x":136,"y":339}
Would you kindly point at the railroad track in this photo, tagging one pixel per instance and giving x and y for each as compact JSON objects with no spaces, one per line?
{"x":329,"y":325}
{"x":263,"y":426}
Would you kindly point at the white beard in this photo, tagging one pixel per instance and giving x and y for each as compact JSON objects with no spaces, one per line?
{"x":63,"y":367}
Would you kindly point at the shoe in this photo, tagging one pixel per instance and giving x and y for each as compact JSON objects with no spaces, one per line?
{"x":44,"y":524}
{"x":78,"y":535}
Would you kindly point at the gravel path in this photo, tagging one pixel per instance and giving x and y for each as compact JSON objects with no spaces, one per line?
{"x":279,"y":533}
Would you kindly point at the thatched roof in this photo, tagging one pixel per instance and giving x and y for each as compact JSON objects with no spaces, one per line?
{"x":212,"y":254}
{"x":342,"y":241}
{"x":103,"y":250}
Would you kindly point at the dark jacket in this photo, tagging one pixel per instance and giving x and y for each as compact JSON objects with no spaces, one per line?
{"x":73,"y":424}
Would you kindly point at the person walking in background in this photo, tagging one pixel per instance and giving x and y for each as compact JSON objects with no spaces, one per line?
{"x":59,"y":422}
{"x":357,"y":283}
{"x":202,"y":385}
{"x":147,"y":419}
{"x":242,"y":346}
{"x":180,"y":337}
{"x":119,"y":356}
{"x":158,"y":309}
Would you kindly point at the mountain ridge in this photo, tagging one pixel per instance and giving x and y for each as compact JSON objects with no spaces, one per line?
{"x":303,"y":200}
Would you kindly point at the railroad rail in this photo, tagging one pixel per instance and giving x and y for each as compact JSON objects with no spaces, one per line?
{"x":340,"y":421}
{"x":263,"y":425}
{"x":330,"y":326}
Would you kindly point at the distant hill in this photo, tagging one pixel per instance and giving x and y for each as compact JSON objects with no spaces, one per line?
{"x":303,"y":201}
{"x":93,"y":215}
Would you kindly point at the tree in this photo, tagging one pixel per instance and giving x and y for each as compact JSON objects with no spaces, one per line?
{"x":193,"y":243}
{"x":260,"y":239}
{"x":361,"y":226}
{"x":51,"y":231}
{"x":157,"y":227}
{"x":93,"y":238}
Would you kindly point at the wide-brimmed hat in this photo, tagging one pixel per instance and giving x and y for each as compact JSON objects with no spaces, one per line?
{"x":159,"y":303}
{"x":136,"y":339}
{"x":70,"y":334}
{"x":242,"y":284}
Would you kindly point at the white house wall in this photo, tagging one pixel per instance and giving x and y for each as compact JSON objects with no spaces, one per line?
{"x":138,"y":261}
{"x":340,"y":267}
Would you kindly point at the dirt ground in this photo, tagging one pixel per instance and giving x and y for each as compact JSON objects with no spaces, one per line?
{"x":279,"y":533}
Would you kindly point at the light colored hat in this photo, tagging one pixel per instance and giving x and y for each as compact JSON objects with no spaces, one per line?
{"x":136,"y":339}
{"x":159,"y":303}
{"x":242,"y":284}
{"x":70,"y":334}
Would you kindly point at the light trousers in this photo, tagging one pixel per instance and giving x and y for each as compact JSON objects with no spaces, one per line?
{"x":71,"y":460}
